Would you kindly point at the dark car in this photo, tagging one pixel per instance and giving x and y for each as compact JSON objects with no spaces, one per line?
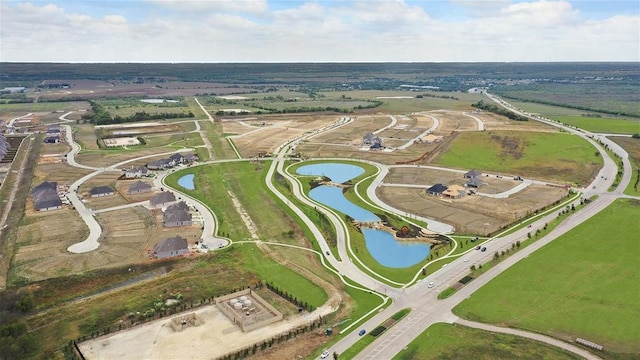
{"x":362,"y":332}
{"x":328,"y":253}
{"x":478,"y":247}
{"x":484,"y":248}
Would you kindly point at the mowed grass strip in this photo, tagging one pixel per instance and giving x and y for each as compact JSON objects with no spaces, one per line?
{"x":559,"y":157}
{"x":584,"y":284}
{"x":452,"y":342}
{"x":602,"y":125}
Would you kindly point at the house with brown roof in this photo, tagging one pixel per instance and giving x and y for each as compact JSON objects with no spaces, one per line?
{"x":171,"y":247}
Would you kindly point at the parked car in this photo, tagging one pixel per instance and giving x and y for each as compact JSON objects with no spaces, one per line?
{"x":484,"y":248}
{"x":478,"y":247}
{"x":430,"y":285}
{"x":324,"y":354}
{"x":362,"y":332}
{"x":328,"y":253}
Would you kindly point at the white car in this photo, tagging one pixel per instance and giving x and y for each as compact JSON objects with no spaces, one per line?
{"x":430,"y":285}
{"x":324,"y":354}
{"x":466,"y":260}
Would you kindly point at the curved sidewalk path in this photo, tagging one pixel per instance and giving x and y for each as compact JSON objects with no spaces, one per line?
{"x":530,"y":335}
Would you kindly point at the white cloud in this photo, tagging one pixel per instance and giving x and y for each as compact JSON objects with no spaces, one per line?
{"x":349,"y":31}
{"x":245,"y":6}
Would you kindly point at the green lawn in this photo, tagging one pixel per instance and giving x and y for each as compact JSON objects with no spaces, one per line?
{"x":31,"y":107}
{"x":603,"y":125}
{"x":559,"y":157}
{"x":584,"y":284}
{"x":443,"y":342}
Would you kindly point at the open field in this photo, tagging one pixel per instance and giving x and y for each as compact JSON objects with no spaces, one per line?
{"x":612,"y":97}
{"x":599,"y":260}
{"x":602,"y":125}
{"x":546,"y":156}
{"x":632,"y":147}
{"x":443,"y":342}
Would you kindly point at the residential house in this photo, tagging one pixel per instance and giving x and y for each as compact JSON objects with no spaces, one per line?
{"x":135,"y":173}
{"x":45,"y":196}
{"x":139,"y":187}
{"x":471,"y":174}
{"x":189,"y":158}
{"x":162,"y":199}
{"x":367,"y":139}
{"x":177,"y":158}
{"x":474,"y":182}
{"x":100,"y":191}
{"x":454,"y":192}
{"x":377,"y":144}
{"x":436,"y":189}
{"x":171,"y":247}
{"x":177,"y":215}
{"x":161,"y":164}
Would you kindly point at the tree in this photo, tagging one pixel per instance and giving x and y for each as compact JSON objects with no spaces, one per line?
{"x":518,"y":244}
{"x":472,"y":268}
{"x":335,"y":355}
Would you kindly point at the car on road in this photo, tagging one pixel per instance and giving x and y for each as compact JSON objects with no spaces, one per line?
{"x":362,"y":332}
{"x":324,"y":354}
{"x":484,"y":248}
{"x":466,"y":259}
{"x":478,"y":247}
{"x":430,"y":285}
{"x":328,"y":253}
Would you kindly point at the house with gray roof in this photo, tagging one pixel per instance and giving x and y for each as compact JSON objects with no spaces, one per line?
{"x":45,"y":196}
{"x":436,"y":189}
{"x":139,"y":187}
{"x":135,"y":173}
{"x":100,"y":191}
{"x":474,"y":182}
{"x":367,"y":139}
{"x":472,"y":173}
{"x":177,"y":215}
{"x":162,"y":199}
{"x":171,"y":247}
{"x":161,"y":164}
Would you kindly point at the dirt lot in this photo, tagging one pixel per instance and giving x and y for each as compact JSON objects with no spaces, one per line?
{"x":495,"y":122}
{"x":428,"y":177}
{"x":127,"y":236}
{"x":472,"y":214}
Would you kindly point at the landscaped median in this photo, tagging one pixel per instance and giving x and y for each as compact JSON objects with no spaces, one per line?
{"x":370,"y":337}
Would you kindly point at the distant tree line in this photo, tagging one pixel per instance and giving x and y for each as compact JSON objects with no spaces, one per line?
{"x":572,"y":106}
{"x":499,"y":110}
{"x":15,"y":340}
{"x":100,"y":116}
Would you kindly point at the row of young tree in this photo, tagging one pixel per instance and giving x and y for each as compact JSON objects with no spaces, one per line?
{"x":499,"y":110}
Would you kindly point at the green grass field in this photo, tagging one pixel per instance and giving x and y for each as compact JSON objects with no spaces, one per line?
{"x":602,"y":125}
{"x":584,"y":284}
{"x":452,"y":342}
{"x":31,"y":107}
{"x":555,"y":156}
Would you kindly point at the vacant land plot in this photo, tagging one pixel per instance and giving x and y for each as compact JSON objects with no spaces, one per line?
{"x":471,"y":214}
{"x":560,"y":157}
{"x":632,"y":147}
{"x":602,"y":124}
{"x":63,"y":173}
{"x":583,"y":284}
{"x":445,"y":341}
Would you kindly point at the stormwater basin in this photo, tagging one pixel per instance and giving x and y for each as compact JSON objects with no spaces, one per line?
{"x":382,"y":246}
{"x":187,"y":182}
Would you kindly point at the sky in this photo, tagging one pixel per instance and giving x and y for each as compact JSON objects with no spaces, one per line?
{"x":214,"y":31}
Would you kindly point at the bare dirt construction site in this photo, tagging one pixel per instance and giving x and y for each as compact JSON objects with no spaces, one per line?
{"x":471,"y":214}
{"x":213,"y":335}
